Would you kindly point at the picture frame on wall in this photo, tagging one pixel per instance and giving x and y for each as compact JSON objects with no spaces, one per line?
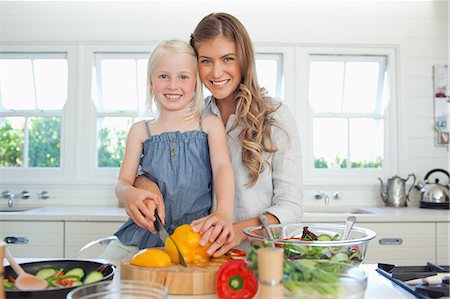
{"x":441,"y":104}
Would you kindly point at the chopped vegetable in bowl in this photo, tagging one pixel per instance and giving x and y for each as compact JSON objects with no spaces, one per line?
{"x":62,"y":276}
{"x":316,"y":241}
{"x":322,"y":279}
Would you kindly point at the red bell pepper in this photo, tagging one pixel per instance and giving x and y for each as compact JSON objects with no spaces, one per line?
{"x":236,"y":281}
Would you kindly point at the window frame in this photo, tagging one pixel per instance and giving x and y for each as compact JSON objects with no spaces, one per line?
{"x":348,"y":177}
{"x":87,"y":153}
{"x":67,"y":150}
{"x":287,"y":68}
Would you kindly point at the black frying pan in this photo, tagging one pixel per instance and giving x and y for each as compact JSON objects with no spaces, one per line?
{"x":108,"y":271}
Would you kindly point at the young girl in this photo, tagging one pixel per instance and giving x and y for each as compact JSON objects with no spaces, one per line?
{"x":181,"y":151}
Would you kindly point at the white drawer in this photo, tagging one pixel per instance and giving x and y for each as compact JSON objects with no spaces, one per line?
{"x":401,"y":243}
{"x":45,"y":239}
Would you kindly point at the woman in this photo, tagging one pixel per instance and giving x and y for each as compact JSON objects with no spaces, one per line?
{"x":261,"y":135}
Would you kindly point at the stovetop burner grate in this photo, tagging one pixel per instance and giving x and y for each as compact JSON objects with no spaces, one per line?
{"x":405,"y":276}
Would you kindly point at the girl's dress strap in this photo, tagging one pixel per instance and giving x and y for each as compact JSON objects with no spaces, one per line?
{"x":201,"y":126}
{"x":147,"y":128}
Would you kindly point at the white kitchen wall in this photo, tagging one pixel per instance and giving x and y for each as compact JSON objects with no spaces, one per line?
{"x":419,"y":30}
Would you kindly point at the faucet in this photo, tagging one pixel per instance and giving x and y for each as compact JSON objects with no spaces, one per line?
{"x":320,"y":194}
{"x":10,"y":196}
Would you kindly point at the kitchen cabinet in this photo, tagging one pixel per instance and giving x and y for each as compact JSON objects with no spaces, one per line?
{"x":42,"y":239}
{"x":442,"y":243}
{"x":79,"y":233}
{"x":402,"y":243}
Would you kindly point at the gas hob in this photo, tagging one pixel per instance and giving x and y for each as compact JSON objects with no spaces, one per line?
{"x":430,"y":281}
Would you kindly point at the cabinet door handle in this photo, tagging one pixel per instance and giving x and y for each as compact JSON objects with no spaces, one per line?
{"x":16,"y":240}
{"x":390,"y":241}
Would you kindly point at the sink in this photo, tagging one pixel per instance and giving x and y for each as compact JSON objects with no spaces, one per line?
{"x":17,"y":209}
{"x":333,"y":210}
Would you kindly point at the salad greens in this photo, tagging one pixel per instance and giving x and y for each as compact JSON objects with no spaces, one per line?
{"x":310,"y":270}
{"x":344,"y":254}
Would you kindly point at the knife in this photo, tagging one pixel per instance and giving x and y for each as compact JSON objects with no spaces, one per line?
{"x":164,"y":235}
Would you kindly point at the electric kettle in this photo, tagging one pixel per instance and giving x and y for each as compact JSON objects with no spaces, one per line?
{"x":434,"y":195}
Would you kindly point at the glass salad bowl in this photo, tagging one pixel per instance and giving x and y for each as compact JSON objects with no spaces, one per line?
{"x":317,"y":241}
{"x":328,"y":280}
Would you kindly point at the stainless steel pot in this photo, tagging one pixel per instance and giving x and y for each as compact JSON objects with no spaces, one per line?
{"x":434,"y":195}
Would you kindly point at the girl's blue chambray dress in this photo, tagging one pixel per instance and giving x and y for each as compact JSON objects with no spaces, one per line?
{"x":179,"y":163}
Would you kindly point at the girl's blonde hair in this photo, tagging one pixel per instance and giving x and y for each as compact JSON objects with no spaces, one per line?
{"x":254,"y":108}
{"x":181,"y":47}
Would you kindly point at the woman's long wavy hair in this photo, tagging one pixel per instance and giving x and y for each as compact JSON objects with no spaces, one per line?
{"x":254,"y":108}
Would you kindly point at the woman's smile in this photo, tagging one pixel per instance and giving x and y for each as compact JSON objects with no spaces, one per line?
{"x":220,"y":83}
{"x":218,"y":67}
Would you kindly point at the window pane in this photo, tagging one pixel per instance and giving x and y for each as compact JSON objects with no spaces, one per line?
{"x":366,"y":143}
{"x":111,"y":140}
{"x":51,"y":83}
{"x":267,"y":70}
{"x":118,"y":81}
{"x":325,"y":86}
{"x":142,"y":82}
{"x":11,"y":141}
{"x":361,"y":86}
{"x":16,"y":84}
{"x":44,"y":142}
{"x":330,"y":143}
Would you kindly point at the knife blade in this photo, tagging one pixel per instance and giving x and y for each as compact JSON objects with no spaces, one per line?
{"x":164,"y":235}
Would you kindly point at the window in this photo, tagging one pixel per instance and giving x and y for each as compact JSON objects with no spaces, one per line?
{"x":350,"y":108}
{"x":347,"y":95}
{"x":33,"y":92}
{"x":269,"y":69}
{"x":118,"y":91}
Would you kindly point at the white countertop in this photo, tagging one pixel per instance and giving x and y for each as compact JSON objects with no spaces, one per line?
{"x":378,"y":287}
{"x":312,"y":214}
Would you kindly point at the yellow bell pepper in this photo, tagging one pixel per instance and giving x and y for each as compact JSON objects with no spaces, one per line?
{"x":188,"y":243}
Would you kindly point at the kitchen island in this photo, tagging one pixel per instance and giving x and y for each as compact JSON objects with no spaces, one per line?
{"x":378,"y":287}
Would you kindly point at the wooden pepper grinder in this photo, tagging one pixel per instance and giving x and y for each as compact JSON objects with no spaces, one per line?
{"x":270,"y":273}
{"x":2,"y":252}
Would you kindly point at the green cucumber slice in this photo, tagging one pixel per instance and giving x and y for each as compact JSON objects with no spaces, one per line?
{"x":93,"y":276}
{"x":46,"y":273}
{"x":77,"y":272}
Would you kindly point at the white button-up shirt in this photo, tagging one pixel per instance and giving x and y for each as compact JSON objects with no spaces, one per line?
{"x":278,"y":189}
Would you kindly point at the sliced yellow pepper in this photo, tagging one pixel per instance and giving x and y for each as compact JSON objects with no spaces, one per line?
{"x":188,"y":243}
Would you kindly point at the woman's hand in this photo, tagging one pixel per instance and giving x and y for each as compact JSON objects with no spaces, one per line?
{"x":217,"y":250}
{"x":141,"y":204}
{"x":214,"y":228}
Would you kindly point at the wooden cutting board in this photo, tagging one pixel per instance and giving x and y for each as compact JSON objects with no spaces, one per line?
{"x":197,"y":279}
